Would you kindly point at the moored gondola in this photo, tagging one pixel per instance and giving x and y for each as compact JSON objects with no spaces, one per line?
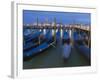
{"x":65,"y":36}
{"x":45,"y":41}
{"x":79,"y":43}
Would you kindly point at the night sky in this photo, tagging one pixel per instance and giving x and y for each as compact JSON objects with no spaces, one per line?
{"x":30,"y":16}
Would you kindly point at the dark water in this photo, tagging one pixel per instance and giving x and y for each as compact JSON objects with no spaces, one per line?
{"x":52,"y":57}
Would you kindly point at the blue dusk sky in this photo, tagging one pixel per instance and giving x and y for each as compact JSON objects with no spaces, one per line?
{"x":30,"y":16}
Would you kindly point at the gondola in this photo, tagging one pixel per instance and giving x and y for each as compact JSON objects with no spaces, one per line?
{"x":82,"y":48}
{"x":65,"y":36}
{"x":76,"y":36}
{"x":48,"y":41}
{"x":32,"y":36}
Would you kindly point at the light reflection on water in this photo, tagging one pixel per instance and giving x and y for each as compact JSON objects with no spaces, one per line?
{"x":45,"y":31}
{"x":70,"y":33}
{"x":61,"y":34}
{"x":52,"y":32}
